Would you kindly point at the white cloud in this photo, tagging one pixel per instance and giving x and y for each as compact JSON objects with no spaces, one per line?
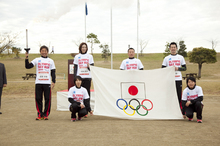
{"x":60,"y":22}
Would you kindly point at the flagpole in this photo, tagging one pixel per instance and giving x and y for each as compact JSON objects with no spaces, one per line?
{"x":85,"y":19}
{"x":111,"y":39}
{"x":137,"y":26}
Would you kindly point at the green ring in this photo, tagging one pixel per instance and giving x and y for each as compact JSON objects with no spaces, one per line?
{"x":139,"y":107}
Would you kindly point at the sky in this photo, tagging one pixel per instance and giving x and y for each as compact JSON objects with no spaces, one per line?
{"x":59,"y":23}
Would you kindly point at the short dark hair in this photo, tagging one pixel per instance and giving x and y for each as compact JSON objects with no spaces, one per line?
{"x":77,"y":78}
{"x":173,"y":43}
{"x":80,"y":47}
{"x":131,"y":49}
{"x":44,"y":47}
{"x":190,"y":78}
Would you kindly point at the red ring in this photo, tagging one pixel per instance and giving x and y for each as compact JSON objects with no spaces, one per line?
{"x":150,"y":102}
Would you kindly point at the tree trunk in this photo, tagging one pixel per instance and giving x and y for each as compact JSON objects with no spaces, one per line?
{"x":200,"y":69}
{"x":92,"y":48}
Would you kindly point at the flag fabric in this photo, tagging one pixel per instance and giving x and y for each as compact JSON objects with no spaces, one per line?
{"x":136,"y":94}
{"x":86,"y":10}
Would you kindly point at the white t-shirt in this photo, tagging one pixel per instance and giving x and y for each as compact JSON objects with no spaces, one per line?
{"x":175,"y":60}
{"x":131,"y":64}
{"x":78,"y":94}
{"x":192,"y":94}
{"x":81,"y":61}
{"x":43,"y":68}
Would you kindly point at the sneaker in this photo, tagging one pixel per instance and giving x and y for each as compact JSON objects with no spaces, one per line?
{"x":199,"y":121}
{"x":190,"y":119}
{"x":46,"y":118}
{"x":79,"y":118}
{"x":73,"y":119}
{"x":39,"y":118}
{"x":86,"y":116}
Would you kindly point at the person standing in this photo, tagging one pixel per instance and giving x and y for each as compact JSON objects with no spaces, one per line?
{"x":81,"y":62}
{"x":45,"y":68}
{"x":179,"y":63}
{"x":131,"y":63}
{"x":3,"y":80}
{"x":192,"y":100}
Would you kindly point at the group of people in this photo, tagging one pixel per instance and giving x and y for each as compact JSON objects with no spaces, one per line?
{"x":79,"y":95}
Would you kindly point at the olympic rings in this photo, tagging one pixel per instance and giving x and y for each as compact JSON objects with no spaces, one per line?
{"x":137,"y":101}
{"x":135,"y":109}
{"x":128,"y":113}
{"x":124,"y":101}
{"x":143,"y":107}
{"x":150,"y":102}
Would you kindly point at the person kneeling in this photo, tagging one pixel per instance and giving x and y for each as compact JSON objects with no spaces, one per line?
{"x":192,"y":100}
{"x":79,"y":99}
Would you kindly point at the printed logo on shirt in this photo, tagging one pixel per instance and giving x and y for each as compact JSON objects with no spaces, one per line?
{"x":78,"y":97}
{"x":174,"y":62}
{"x":79,"y":57}
{"x":127,"y":62}
{"x":39,"y":60}
{"x":191,"y":97}
{"x":170,"y":59}
{"x":131,"y":66}
{"x":43,"y":66}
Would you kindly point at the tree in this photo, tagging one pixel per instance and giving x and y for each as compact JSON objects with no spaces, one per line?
{"x":167,"y":50}
{"x":143,"y":45}
{"x":16,"y":51}
{"x":202,"y":55}
{"x":105,"y":51}
{"x":7,"y":40}
{"x":93,"y":39}
{"x":41,"y":44}
{"x":78,"y":41}
{"x":214,"y":43}
{"x":182,"y":48}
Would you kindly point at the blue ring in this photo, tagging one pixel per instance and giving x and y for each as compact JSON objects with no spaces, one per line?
{"x":124,"y":101}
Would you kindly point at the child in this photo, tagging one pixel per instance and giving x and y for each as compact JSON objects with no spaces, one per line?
{"x":79,"y":99}
{"x":192,"y":100}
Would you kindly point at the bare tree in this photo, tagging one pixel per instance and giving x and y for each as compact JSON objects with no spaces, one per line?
{"x":214,"y":43}
{"x":41,"y":44}
{"x":7,"y":40}
{"x":143,"y":45}
{"x":78,"y":41}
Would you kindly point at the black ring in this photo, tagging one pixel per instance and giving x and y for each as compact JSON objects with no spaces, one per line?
{"x":137,"y":101}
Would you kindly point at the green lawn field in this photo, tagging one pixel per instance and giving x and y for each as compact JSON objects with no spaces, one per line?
{"x":210,"y":81}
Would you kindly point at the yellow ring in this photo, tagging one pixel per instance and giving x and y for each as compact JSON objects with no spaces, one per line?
{"x":128,"y":113}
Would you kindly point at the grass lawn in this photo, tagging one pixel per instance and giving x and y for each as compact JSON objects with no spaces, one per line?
{"x":210,"y":81}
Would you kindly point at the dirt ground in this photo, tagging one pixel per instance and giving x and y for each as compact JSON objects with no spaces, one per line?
{"x":18,"y":127}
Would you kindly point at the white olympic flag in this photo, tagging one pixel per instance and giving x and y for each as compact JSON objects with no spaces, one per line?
{"x":136,"y":94}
